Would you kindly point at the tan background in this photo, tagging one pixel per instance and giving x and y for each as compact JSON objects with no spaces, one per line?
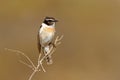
{"x":90,"y":49}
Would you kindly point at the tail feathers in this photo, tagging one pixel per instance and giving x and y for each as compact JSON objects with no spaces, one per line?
{"x":49,"y":57}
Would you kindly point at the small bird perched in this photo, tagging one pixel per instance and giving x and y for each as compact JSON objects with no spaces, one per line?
{"x":45,"y":36}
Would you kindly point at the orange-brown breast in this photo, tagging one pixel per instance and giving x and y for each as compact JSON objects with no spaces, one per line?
{"x":50,"y":29}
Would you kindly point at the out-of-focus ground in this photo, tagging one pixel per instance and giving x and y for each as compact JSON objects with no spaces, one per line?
{"x":90,"y":49}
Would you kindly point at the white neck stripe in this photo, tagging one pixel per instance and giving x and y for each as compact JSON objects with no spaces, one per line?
{"x":45,"y":25}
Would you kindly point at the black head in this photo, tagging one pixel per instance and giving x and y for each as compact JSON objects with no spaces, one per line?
{"x":50,"y":20}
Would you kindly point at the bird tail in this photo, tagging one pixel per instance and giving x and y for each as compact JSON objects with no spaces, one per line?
{"x":48,"y":57}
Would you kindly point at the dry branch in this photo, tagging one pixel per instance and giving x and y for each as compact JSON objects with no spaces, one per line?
{"x":39,"y":65}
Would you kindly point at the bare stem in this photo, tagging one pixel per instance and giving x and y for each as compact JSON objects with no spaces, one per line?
{"x":23,"y":54}
{"x":33,"y":73}
{"x":26,"y":64}
{"x":40,"y":58}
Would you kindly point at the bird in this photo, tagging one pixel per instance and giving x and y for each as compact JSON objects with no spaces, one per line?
{"x":45,"y":36}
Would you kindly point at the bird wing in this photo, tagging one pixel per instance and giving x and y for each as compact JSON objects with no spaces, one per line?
{"x":38,"y":41}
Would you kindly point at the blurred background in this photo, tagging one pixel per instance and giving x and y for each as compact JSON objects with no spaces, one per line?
{"x":90,"y":49}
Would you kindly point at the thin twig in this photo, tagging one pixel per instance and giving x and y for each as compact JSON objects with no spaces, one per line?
{"x":33,"y":73}
{"x":40,"y":58}
{"x":26,"y":64}
{"x":42,"y":67}
{"x":17,"y":51}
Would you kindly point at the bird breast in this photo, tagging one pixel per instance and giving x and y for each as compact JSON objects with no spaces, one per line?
{"x":46,"y":35}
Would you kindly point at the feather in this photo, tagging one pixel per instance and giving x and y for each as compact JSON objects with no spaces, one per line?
{"x":38,"y":41}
